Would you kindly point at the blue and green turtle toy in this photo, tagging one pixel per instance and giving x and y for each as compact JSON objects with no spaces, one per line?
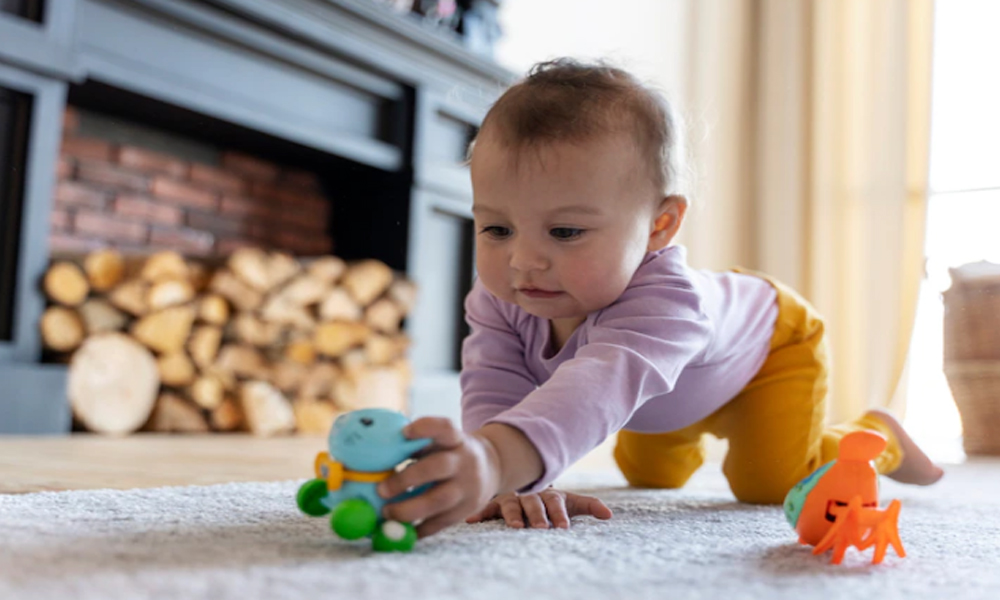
{"x":365,"y":448}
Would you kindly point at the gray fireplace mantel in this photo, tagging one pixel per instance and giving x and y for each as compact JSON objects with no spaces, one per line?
{"x":344,"y":77}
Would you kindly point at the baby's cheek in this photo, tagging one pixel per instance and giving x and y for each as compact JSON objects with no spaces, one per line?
{"x":598,"y":285}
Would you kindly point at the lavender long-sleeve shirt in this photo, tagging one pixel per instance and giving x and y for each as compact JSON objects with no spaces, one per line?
{"x":678,"y":344}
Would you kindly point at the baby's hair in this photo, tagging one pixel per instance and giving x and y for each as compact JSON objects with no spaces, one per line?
{"x":565,"y":100}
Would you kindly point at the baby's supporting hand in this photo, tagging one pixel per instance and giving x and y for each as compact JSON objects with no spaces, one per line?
{"x":464,"y":466}
{"x":556,"y":505}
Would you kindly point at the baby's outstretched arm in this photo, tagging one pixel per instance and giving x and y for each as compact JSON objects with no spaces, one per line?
{"x":468,"y":469}
{"x":549,"y":505}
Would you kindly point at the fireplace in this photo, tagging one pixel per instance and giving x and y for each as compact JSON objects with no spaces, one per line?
{"x":140,"y":189}
{"x":204,"y":126}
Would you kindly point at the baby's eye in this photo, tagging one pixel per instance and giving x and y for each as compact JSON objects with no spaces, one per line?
{"x":565,"y":233}
{"x":496,"y":232}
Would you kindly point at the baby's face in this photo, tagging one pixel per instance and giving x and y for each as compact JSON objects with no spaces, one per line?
{"x":560,"y":231}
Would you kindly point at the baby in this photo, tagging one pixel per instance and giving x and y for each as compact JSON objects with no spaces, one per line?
{"x":587,"y":322}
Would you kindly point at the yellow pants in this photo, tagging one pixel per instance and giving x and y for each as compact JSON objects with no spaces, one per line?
{"x":775,"y":425}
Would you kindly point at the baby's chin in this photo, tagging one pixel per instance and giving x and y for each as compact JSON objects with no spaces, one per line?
{"x":552,"y":311}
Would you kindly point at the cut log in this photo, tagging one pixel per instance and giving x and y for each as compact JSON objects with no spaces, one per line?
{"x":353,"y":362}
{"x":174,"y":414}
{"x":378,"y":387}
{"x":62,"y":329}
{"x":241,"y":360}
{"x":100,"y":316}
{"x":208,"y":392}
{"x":266,"y":410}
{"x":130,"y":296}
{"x":213,"y":309}
{"x":200,"y":275}
{"x":251,"y":265}
{"x":112,"y":384}
{"x":384,"y":315}
{"x":314,"y":417}
{"x":382,"y":349}
{"x":327,"y":269}
{"x":339,"y":306}
{"x":251,"y":330}
{"x":228,"y":379}
{"x":304,"y":290}
{"x":288,"y":375}
{"x":384,"y":387}
{"x":105,"y":269}
{"x":404,"y":293}
{"x":66,"y":284}
{"x":204,"y":345}
{"x":227,"y":416}
{"x":367,"y":280}
{"x":232,"y":288}
{"x":165,"y":331}
{"x":175,"y":369}
{"x":335,"y":338}
{"x":282,"y":312}
{"x":169,"y":292}
{"x":281,"y":267}
{"x":319,"y":380}
{"x":165,"y":265}
{"x":301,"y":351}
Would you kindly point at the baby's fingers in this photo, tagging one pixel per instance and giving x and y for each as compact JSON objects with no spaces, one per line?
{"x":492,"y":511}
{"x":510,"y":510}
{"x":555,"y":505}
{"x":586,"y":505}
{"x":436,"y":467}
{"x":440,"y":430}
{"x":436,"y":501}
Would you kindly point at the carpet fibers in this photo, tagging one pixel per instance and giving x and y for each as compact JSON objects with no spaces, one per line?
{"x":247,"y":541}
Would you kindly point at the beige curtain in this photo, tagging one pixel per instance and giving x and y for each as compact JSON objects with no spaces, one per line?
{"x":810,"y":136}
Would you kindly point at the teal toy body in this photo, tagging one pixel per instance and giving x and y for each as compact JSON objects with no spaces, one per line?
{"x":365,"y":446}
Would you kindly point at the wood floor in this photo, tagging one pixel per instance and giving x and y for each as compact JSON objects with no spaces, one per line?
{"x":34,"y":464}
{"x":86,"y":461}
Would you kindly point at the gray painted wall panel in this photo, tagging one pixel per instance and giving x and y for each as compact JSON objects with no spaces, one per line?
{"x":33,"y":399}
{"x":141,"y":51}
{"x":43,"y":149}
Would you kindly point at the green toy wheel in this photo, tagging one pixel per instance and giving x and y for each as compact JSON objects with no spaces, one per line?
{"x":393,"y":536}
{"x":353,"y":519}
{"x":310,"y":498}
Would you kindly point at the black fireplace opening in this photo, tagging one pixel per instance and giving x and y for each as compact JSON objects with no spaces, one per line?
{"x":15,"y":117}
{"x":26,"y":9}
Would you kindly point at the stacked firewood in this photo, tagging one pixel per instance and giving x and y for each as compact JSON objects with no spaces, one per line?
{"x":263,"y":342}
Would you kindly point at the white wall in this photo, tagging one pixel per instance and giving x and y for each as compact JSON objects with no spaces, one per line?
{"x":646,"y":37}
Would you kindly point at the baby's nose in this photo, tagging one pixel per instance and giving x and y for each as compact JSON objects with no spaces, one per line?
{"x":526,"y":258}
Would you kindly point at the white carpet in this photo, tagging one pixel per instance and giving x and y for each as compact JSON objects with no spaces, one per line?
{"x":247,"y":541}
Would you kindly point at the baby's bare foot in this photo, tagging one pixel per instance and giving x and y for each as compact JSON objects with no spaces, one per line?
{"x":916,"y":467}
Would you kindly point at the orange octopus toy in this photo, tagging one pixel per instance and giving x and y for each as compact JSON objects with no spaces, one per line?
{"x":837,"y":506}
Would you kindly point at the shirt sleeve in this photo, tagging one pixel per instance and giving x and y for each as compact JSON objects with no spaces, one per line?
{"x":635,"y":350}
{"x":494,"y":374}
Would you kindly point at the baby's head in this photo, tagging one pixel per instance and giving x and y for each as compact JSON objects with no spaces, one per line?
{"x":575,"y":176}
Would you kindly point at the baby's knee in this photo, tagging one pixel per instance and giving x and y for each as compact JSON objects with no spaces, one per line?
{"x":761,"y":487}
{"x":759,"y":494}
{"x":654,"y":472}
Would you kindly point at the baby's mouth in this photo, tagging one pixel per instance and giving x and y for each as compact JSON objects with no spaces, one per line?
{"x":538,"y":293}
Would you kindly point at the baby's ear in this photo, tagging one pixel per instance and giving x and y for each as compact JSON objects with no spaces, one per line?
{"x":669,"y":216}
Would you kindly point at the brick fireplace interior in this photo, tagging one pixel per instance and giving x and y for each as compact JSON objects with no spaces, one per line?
{"x":141,"y":176}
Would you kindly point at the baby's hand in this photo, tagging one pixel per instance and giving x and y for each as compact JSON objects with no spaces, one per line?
{"x":464,"y":467}
{"x":557,"y":505}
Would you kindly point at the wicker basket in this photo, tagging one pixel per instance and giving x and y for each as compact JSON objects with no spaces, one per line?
{"x":975,"y":385}
{"x":972,"y":353}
